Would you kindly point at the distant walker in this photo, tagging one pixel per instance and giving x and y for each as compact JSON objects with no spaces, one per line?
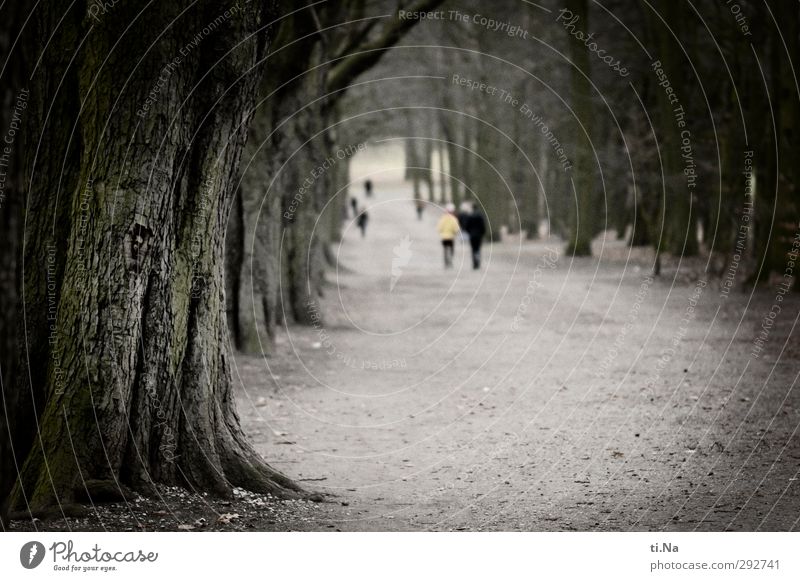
{"x":448,"y":230}
{"x":475,"y":225}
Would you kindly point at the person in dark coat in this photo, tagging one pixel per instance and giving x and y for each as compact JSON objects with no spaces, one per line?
{"x":361,"y":222}
{"x":475,"y":226}
{"x":368,"y":188}
{"x":354,"y":206}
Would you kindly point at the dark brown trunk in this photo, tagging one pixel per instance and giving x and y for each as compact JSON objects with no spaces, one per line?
{"x":138,"y":387}
{"x":15,"y":113}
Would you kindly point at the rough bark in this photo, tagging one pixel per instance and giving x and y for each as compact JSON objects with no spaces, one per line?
{"x":255,"y":274}
{"x":15,"y":113}
{"x":50,"y":177}
{"x":138,"y":387}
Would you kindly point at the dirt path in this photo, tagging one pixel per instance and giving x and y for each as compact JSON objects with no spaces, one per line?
{"x":539,"y":393}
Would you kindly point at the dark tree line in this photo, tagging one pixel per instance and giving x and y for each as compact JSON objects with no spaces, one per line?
{"x":121,"y":185}
{"x":659,"y":110}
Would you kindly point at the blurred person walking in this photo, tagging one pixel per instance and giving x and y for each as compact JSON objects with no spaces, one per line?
{"x":448,"y":230}
{"x":361,"y":222}
{"x":475,"y":226}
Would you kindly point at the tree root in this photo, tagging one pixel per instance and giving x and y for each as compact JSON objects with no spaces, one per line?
{"x":51,"y":512}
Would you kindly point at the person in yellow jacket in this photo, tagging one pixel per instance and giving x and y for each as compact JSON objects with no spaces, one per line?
{"x":448,"y":230}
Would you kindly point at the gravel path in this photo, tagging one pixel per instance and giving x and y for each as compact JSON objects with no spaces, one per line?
{"x":539,"y":393}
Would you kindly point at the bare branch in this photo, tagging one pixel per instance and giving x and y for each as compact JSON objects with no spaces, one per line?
{"x":368,"y":54}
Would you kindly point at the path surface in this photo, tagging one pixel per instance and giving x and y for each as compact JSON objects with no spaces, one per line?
{"x":538,"y":393}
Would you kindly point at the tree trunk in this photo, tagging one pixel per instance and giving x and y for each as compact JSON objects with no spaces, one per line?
{"x":337,"y":189}
{"x":455,"y":156}
{"x":256,"y":272}
{"x":582,"y":227}
{"x":680,"y":236}
{"x":138,"y":387}
{"x":640,"y":228}
{"x":15,"y":113}
{"x":466,"y":158}
{"x":527,"y":183}
{"x":442,"y":154}
{"x":491,"y":192}
{"x":540,"y":191}
{"x":777,"y":203}
{"x":413,"y":156}
{"x":52,"y":180}
{"x":302,"y":185}
{"x":427,"y":165}
{"x":281,"y":272}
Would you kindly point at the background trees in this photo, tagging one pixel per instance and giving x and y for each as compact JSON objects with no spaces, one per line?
{"x":318,"y":52}
{"x":664,"y":147}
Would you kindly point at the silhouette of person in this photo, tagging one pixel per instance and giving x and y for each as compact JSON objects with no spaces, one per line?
{"x":361,"y":222}
{"x":368,"y":188}
{"x":475,"y":225}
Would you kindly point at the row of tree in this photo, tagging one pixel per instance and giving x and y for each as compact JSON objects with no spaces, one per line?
{"x":673,"y":125}
{"x":125,"y":204}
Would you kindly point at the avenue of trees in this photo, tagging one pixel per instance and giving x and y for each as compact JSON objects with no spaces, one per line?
{"x":126,"y":174}
{"x":652,"y":113}
{"x":162,"y":204}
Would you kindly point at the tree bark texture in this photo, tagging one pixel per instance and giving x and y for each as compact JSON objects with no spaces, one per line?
{"x":138,"y":388}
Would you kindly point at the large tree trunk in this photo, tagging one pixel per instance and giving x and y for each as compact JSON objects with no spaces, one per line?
{"x":255,"y":276}
{"x":138,"y":388}
{"x":777,"y":200}
{"x":301,"y":184}
{"x":39,"y":249}
{"x":14,"y":114}
{"x":279,"y":194}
